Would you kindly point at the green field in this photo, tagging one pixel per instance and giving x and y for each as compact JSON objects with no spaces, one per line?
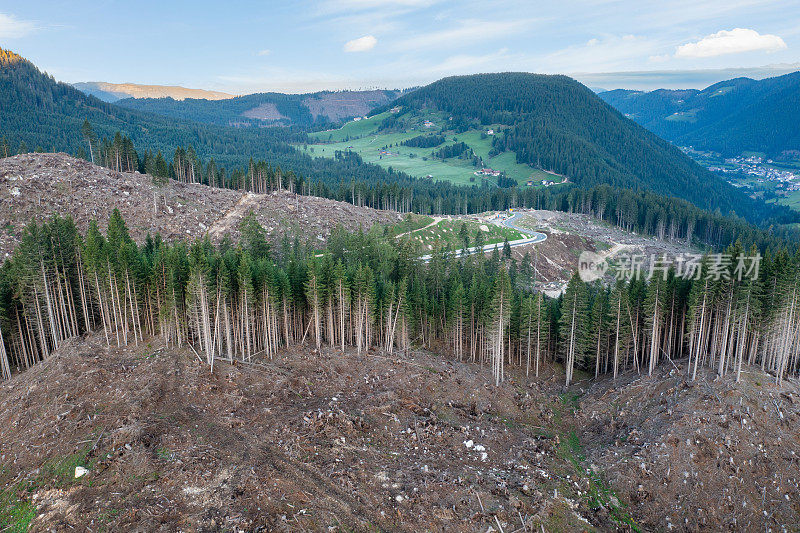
{"x":385,"y":149}
{"x":446,"y":234}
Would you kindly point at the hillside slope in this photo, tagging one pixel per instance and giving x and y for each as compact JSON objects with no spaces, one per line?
{"x":267,"y":108}
{"x":41,"y":113}
{"x":326,"y":441}
{"x":713,"y":455}
{"x":730,"y":117}
{"x":555,"y":123}
{"x":36,"y":186}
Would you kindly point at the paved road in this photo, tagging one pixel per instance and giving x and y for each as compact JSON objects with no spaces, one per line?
{"x":533,"y":238}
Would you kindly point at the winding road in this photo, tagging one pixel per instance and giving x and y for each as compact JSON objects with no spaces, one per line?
{"x":533,"y":238}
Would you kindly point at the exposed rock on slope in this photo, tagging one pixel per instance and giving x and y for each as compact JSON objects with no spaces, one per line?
{"x":36,"y":186}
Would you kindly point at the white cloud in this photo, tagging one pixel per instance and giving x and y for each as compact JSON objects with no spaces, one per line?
{"x":733,"y":41}
{"x":659,"y":58}
{"x":362,"y":44}
{"x":264,"y":52}
{"x":468,"y":31}
{"x":12,"y":28}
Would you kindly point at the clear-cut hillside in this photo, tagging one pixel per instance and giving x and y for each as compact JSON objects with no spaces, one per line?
{"x":36,"y":186}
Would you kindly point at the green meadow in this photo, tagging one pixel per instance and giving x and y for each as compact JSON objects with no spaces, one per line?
{"x":386,"y":149}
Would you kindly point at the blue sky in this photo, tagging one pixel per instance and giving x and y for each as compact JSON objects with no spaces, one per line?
{"x":244,"y":47}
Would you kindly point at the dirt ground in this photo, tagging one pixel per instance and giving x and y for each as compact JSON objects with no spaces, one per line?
{"x":712,"y":455}
{"x":311,"y":441}
{"x":36,"y":186}
{"x":334,"y":441}
{"x":569,"y":234}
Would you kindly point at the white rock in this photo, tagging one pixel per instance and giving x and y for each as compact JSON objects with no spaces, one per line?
{"x":468,"y":443}
{"x":80,"y":471}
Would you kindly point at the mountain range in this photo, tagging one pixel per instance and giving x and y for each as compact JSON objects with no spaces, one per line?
{"x":730,"y":117}
{"x":558,"y":124}
{"x":271,"y":109}
{"x":112,"y":92}
{"x":549,"y":122}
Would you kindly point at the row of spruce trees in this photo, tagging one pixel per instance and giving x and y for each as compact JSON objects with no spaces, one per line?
{"x":247,"y":301}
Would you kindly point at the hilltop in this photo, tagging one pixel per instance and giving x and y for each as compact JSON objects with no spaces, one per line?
{"x":36,"y":186}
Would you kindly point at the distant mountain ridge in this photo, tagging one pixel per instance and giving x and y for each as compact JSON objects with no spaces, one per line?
{"x":113,"y":92}
{"x":558,"y":124}
{"x":729,"y":117}
{"x":261,"y":109}
{"x":548,"y":122}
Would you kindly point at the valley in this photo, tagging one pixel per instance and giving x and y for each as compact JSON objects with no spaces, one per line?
{"x":771,"y":180}
{"x":368,"y":285}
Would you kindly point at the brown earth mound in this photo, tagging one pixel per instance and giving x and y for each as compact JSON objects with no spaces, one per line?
{"x":325,"y":441}
{"x":36,"y":186}
{"x":712,"y":455}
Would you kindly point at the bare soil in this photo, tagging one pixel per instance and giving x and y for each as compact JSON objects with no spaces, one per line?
{"x":345,"y":104}
{"x":335,"y":441}
{"x":713,"y":455}
{"x":36,"y":186}
{"x":569,"y":234}
{"x":309,"y":441}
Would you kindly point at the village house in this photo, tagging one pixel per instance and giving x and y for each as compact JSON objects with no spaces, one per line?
{"x":486,"y":172}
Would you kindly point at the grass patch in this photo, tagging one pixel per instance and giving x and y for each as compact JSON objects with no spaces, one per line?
{"x":411,"y":222}
{"x":385,"y":148}
{"x":600,"y":493}
{"x":446,"y":234}
{"x":16,"y":510}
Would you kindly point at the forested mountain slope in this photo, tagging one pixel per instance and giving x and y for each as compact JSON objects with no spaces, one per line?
{"x":556,"y":123}
{"x":39,"y":113}
{"x":730,"y":117}
{"x":267,"y":108}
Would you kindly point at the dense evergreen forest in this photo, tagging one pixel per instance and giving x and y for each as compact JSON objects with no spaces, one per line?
{"x":365,"y":291}
{"x":555,"y":123}
{"x":424,"y":141}
{"x":729,"y":117}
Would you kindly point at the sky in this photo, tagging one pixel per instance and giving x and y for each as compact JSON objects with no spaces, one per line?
{"x":299,"y":46}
